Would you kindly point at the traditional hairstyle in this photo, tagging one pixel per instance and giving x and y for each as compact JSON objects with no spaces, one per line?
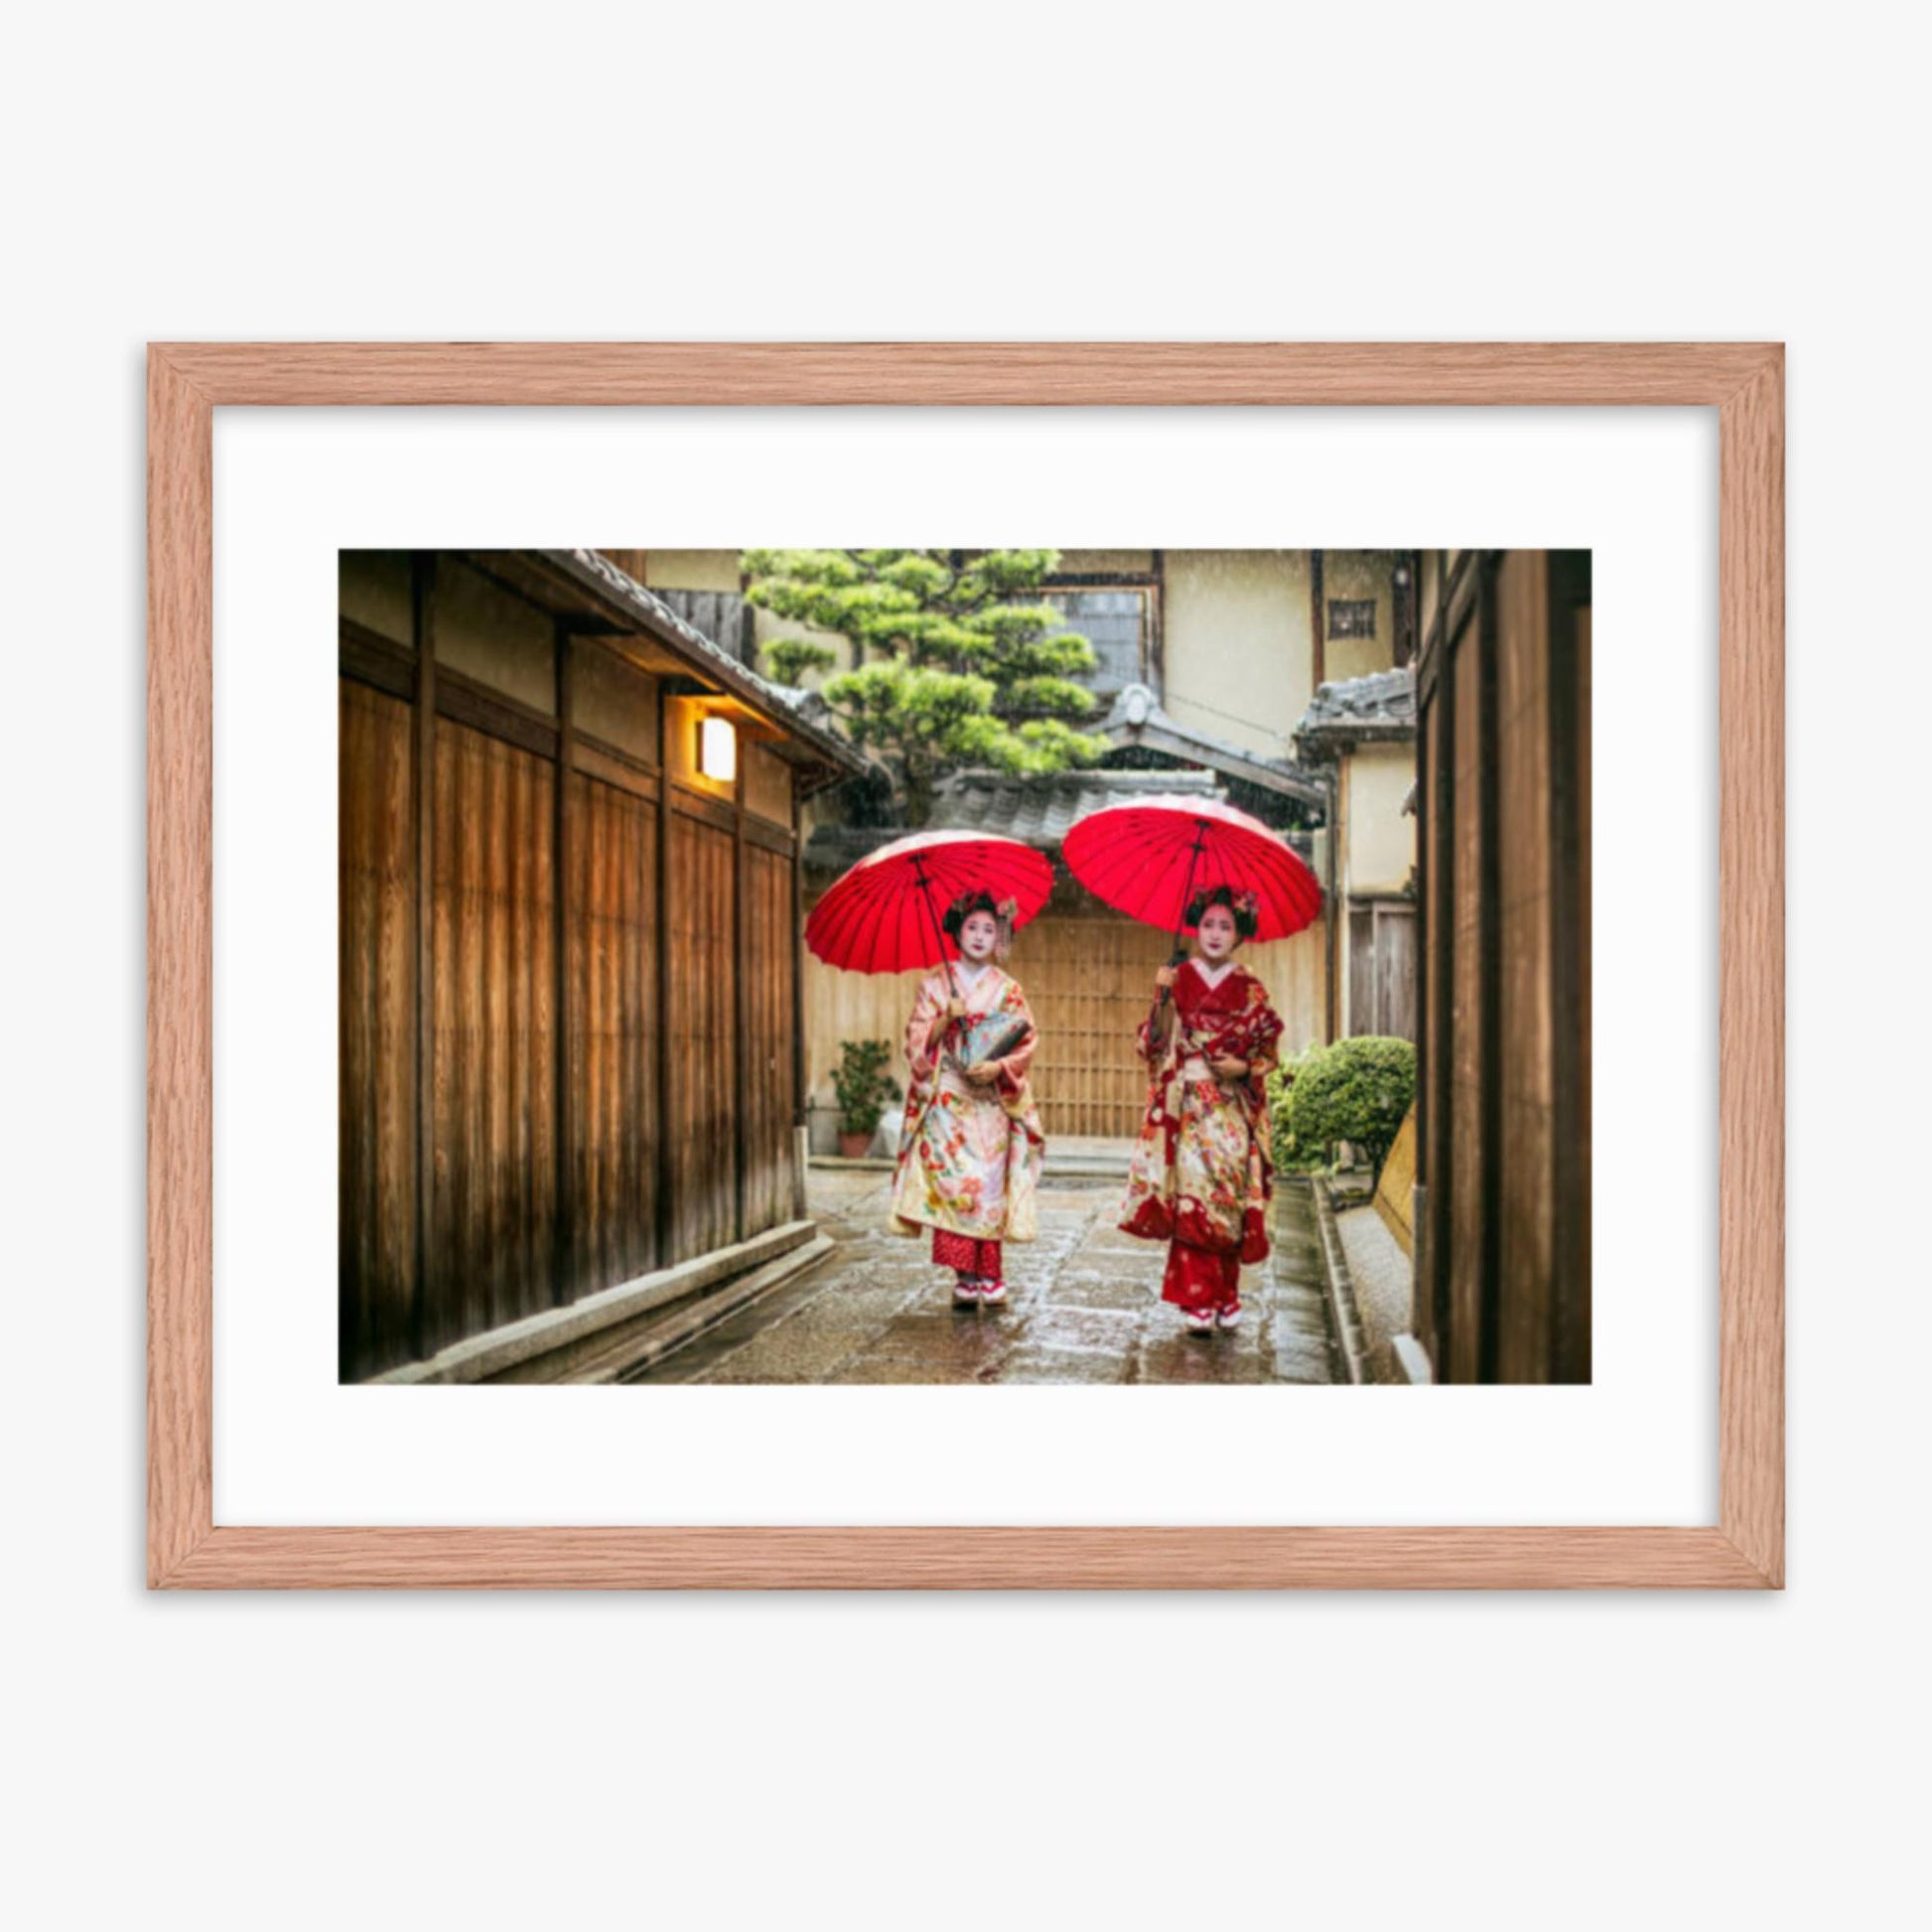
{"x":1245,"y":907}
{"x":967,"y":903}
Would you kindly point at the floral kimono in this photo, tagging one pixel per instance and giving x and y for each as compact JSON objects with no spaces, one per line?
{"x":1201,"y":1176}
{"x":969,"y":1157}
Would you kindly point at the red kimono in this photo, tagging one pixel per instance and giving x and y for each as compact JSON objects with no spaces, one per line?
{"x":1202,"y":1175}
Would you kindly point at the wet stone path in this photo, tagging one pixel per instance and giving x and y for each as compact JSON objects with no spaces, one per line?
{"x":1083,"y":1307}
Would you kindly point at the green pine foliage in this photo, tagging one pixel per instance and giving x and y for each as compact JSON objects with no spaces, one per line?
{"x":790,"y":658}
{"x":956,"y":660}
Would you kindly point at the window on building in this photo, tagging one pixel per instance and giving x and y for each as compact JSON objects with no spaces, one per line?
{"x":1116,"y":622}
{"x":1351,"y":617}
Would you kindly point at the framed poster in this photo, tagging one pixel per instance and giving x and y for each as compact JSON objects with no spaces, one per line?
{"x":539,"y":1084}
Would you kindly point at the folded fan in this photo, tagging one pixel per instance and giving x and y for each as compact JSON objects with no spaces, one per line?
{"x":991,"y":1037}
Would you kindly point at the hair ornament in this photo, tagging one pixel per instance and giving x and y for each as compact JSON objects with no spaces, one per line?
{"x":1244,"y":906}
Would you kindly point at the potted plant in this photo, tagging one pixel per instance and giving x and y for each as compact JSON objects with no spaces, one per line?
{"x":863,"y":1087}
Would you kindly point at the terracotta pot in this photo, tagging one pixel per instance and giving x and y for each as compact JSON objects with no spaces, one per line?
{"x":852,"y":1146}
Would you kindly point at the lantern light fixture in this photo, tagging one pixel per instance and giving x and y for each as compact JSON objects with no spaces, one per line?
{"x":718,"y":749}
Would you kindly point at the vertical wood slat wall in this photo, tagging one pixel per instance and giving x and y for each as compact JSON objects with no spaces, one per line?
{"x":1435,"y":985}
{"x":376,"y":1044}
{"x":612,"y":968}
{"x":1526,"y":1237}
{"x":492,"y":1204}
{"x":705,"y":1080}
{"x":1472,"y":1228}
{"x":520,"y":1213}
{"x":773,"y":1019}
{"x":1503,"y":1285}
{"x":1088,"y":983}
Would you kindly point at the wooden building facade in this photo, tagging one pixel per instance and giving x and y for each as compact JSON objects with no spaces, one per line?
{"x":570,"y":964}
{"x":1503,"y":1108}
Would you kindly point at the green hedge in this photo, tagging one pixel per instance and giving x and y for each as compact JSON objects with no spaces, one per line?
{"x":1356,"y":1090}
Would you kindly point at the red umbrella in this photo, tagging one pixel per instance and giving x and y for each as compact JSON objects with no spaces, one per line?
{"x":1147,"y":860}
{"x":882,"y":914}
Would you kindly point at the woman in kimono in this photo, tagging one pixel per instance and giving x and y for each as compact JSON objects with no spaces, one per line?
{"x":970,"y":1152}
{"x":1202,"y":1175}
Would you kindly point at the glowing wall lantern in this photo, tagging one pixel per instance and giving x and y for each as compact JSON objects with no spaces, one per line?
{"x":718,"y":749}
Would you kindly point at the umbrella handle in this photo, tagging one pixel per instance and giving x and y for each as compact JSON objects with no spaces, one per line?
{"x":1187,"y":892}
{"x":939,"y":939}
{"x":1176,"y":959}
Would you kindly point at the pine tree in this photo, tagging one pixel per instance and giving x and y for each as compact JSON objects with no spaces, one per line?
{"x":956,"y":660}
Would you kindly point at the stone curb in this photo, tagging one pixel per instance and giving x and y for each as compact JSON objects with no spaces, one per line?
{"x":1344,"y":1311}
{"x":687,"y":1324}
{"x":1412,"y":1361}
{"x":590,"y":1328}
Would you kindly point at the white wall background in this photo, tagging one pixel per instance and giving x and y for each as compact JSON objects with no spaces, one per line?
{"x":1469,"y":172}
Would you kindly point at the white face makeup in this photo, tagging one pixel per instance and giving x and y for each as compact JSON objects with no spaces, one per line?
{"x":1216,"y":935}
{"x":977,"y":936}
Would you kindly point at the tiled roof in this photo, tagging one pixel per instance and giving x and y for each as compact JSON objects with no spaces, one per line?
{"x":1038,"y":808}
{"x":1138,"y":717}
{"x":595,"y":567}
{"x":1381,"y":705}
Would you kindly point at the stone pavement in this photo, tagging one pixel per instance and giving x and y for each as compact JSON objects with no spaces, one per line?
{"x":1084,"y":1307}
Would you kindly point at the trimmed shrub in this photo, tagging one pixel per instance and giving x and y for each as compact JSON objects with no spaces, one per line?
{"x":1288,"y":1157}
{"x":1356,"y":1090}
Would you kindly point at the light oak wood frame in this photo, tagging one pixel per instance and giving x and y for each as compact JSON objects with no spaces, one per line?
{"x":1742,"y":381}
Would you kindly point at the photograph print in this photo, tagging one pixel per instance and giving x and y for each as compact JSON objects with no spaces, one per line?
{"x":978,"y":966}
